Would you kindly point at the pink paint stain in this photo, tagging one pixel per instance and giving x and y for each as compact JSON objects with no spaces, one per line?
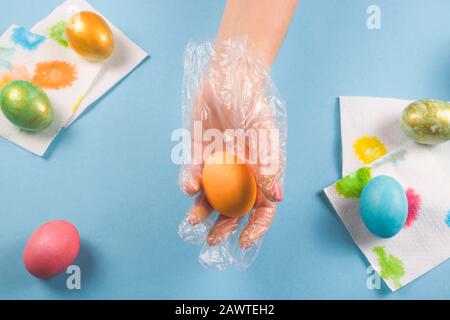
{"x":414,"y":206}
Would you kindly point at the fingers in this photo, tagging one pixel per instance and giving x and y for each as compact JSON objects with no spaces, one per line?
{"x":258,"y":224}
{"x":223,"y":229}
{"x":200,"y":211}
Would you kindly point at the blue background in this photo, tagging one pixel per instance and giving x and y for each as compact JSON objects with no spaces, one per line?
{"x":111,"y":175}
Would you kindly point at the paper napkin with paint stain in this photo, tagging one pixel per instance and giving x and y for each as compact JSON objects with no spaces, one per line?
{"x":63,"y":75}
{"x":423,"y":243}
{"x":370,"y":128}
{"x":126,"y":57}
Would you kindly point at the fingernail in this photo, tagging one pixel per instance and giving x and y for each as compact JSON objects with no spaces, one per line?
{"x":213,"y":240}
{"x":245,"y":243}
{"x":194,"y":220}
{"x":277,"y":195}
{"x":191,"y":188}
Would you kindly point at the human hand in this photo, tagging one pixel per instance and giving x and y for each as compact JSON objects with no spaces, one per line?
{"x":229,"y":94}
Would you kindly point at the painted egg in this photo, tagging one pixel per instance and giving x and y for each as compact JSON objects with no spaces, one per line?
{"x":427,"y":121}
{"x":90,"y":36}
{"x":51,"y":249}
{"x":229,"y":186}
{"x":384,"y":206}
{"x":27,"y":106}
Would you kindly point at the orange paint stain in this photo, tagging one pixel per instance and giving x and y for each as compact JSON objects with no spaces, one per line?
{"x":54,"y":75}
{"x":4,"y":81}
{"x":368,"y":149}
{"x":17,"y":73}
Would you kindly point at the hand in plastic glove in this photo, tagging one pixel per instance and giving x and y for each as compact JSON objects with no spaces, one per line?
{"x":227,"y":86}
{"x":236,"y":93}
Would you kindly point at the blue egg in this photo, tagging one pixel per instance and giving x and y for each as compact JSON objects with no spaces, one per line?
{"x":384,"y":206}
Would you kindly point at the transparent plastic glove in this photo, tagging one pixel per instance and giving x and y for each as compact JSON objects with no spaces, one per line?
{"x":228,"y":92}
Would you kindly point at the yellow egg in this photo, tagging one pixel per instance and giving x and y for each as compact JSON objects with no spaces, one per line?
{"x":90,"y":36}
{"x":229,"y":186}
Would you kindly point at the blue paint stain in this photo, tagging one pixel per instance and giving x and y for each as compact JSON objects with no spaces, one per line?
{"x":447,"y":220}
{"x":26,"y":39}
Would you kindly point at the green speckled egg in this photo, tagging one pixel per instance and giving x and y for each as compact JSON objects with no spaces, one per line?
{"x":427,"y":121}
{"x":27,"y":106}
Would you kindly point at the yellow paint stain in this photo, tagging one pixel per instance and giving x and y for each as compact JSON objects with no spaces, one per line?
{"x":77,"y":105}
{"x":368,"y":149}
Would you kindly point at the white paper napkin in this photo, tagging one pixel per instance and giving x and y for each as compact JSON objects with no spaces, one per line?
{"x":372,"y":138}
{"x":424,"y":242}
{"x":367,"y":122}
{"x":64,"y":76}
{"x":126,"y":57}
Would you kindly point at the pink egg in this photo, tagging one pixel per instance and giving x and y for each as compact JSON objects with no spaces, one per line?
{"x":51,"y":249}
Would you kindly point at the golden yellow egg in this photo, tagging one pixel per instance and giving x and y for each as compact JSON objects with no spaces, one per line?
{"x":90,"y":36}
{"x":229,"y":186}
{"x":427,"y":121}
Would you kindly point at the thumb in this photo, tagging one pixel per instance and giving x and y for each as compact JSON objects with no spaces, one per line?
{"x":271,"y":152}
{"x":190,"y":179}
{"x":272,"y":193}
{"x":269,"y":170}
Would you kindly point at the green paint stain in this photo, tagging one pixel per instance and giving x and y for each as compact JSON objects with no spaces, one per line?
{"x":58,"y":33}
{"x":352,"y":185}
{"x":391,"y":267}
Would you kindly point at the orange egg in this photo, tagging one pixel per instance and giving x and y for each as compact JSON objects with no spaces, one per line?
{"x":229,"y":186}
